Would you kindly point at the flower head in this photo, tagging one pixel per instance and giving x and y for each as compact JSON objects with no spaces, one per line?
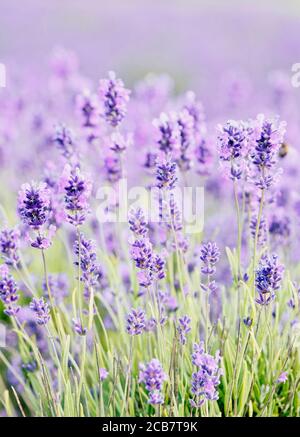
{"x":112,"y":168}
{"x":268,"y":278}
{"x":114,"y":98}
{"x":232,"y":139}
{"x":79,"y":328}
{"x":9,"y":246}
{"x":282,"y":377}
{"x":119,"y":143}
{"x":158,"y":267}
{"x":34,"y":204}
{"x":141,"y":252}
{"x":196,"y":110}
{"x":64,"y":139}
{"x":137,"y":222}
{"x":8,"y":291}
{"x":152,"y":375}
{"x":103,"y":374}
{"x":91,"y":271}
{"x":206,"y":379}
{"x":268,"y":137}
{"x":169,"y":133}
{"x":166,"y":173}
{"x":186,"y":140}
{"x":155,"y":398}
{"x":136,"y":322}
{"x":41,"y":310}
{"x":77,"y":190}
{"x":88,"y":109}
{"x":183,"y":328}
{"x":209,"y":255}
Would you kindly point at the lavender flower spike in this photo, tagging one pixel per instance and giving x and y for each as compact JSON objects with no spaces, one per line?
{"x":166,"y":173}
{"x":137,"y":222}
{"x":41,"y":310}
{"x":9,"y":246}
{"x":77,"y":189}
{"x":209,"y":255}
{"x":206,"y":379}
{"x":114,"y":98}
{"x":152,"y":375}
{"x":169,"y":133}
{"x":8,"y":291}
{"x":183,"y":328}
{"x":78,"y":328}
{"x":268,"y":278}
{"x":103,"y":374}
{"x":64,"y":139}
{"x":34,"y":204}
{"x":136,"y":322}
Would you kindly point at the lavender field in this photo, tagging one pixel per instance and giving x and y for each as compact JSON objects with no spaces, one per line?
{"x":150,"y":209}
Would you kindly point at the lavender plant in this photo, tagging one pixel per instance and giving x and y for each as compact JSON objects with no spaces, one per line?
{"x":133,"y":316}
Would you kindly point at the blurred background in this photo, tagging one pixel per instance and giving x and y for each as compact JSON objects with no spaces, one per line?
{"x":191,"y":39}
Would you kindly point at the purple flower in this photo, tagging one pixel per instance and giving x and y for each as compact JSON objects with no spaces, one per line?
{"x":183,"y":328}
{"x":77,"y":190}
{"x":137,"y":222}
{"x":44,"y":239}
{"x":196,"y":110}
{"x":248,"y":321}
{"x":166,"y":173}
{"x":232,"y":139}
{"x":34,"y":204}
{"x":282,"y":377}
{"x":262,"y":229}
{"x":91,"y":272}
{"x":64,"y":139}
{"x":155,"y":398}
{"x":175,"y":215}
{"x":151,"y":324}
{"x":41,"y":310}
{"x":145,"y":277}
{"x":209,"y":255}
{"x":30,"y":367}
{"x":269,"y":134}
{"x":206,"y":379}
{"x":210,"y":287}
{"x":169,"y":133}
{"x":158,"y":267}
{"x":135,"y":322}
{"x":8,"y":291}
{"x":103,"y":374}
{"x":113,"y":168}
{"x":87,"y":105}
{"x":79,"y":328}
{"x":9,"y":246}
{"x":152,"y":375}
{"x":119,"y":143}
{"x":186,"y":140}
{"x":204,"y":156}
{"x":141,"y":252}
{"x":114,"y":98}
{"x":268,"y":278}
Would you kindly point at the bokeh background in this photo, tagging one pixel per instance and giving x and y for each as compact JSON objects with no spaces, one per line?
{"x":200,"y":43}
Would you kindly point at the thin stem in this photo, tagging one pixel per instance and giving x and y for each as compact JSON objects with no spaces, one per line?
{"x":261,"y":204}
{"x":239,"y":240}
{"x":128,"y":374}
